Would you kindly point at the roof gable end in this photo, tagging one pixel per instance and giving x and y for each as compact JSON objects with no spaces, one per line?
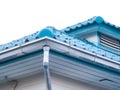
{"x":94,"y":24}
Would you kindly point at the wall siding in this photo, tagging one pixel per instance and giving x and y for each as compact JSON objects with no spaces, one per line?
{"x":37,"y":82}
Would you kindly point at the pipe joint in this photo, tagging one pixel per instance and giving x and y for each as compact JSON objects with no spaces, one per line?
{"x":46,"y":56}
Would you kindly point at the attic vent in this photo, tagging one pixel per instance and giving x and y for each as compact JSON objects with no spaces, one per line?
{"x":110,"y":42}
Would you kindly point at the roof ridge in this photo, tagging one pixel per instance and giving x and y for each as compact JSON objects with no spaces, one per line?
{"x":95,"y":19}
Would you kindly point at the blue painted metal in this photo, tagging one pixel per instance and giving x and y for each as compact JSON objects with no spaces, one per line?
{"x":95,"y":19}
{"x":46,"y":32}
{"x":62,"y":36}
{"x":99,"y":19}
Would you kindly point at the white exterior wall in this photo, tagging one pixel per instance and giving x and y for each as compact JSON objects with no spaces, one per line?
{"x":92,"y":37}
{"x":37,"y":82}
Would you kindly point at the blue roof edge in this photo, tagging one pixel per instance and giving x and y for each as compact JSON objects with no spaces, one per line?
{"x":95,"y":19}
{"x":46,"y":32}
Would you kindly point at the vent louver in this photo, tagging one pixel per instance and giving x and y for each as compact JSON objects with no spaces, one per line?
{"x":109,"y":42}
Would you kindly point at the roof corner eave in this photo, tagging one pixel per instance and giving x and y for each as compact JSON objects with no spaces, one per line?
{"x":26,"y":48}
{"x":60,"y":47}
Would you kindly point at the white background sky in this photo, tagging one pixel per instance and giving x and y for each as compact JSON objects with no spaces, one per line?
{"x":23,"y":17}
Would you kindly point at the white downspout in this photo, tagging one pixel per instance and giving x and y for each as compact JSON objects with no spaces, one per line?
{"x":46,"y":67}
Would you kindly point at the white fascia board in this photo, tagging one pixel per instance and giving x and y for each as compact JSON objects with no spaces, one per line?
{"x":73,"y":51}
{"x":21,"y":50}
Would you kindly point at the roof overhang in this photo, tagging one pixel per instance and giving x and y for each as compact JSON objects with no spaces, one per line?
{"x":65,"y":60}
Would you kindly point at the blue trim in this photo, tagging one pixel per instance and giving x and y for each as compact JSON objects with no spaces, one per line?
{"x":82,"y":30}
{"x":98,"y":37}
{"x":110,"y":31}
{"x":46,"y":32}
{"x":88,"y":63}
{"x":99,"y":19}
{"x":96,"y":19}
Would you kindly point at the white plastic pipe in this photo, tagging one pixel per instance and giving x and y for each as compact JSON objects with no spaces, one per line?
{"x":46,"y":67}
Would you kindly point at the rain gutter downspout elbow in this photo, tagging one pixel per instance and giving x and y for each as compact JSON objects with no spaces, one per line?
{"x":46,"y":67}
